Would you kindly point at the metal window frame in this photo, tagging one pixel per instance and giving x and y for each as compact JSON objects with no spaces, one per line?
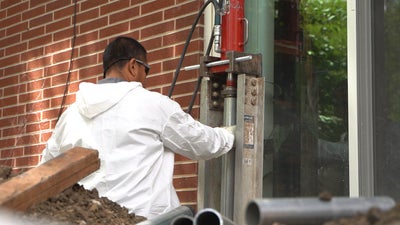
{"x":360,"y":94}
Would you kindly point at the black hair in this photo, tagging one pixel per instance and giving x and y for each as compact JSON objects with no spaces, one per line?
{"x":120,"y":50}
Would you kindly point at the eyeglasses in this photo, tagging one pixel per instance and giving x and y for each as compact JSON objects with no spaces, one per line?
{"x":146,"y":66}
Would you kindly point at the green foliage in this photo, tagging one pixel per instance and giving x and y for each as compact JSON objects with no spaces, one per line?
{"x":392,"y":57}
{"x":324,"y":23}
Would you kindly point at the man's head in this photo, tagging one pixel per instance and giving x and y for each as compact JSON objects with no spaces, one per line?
{"x":126,"y":58}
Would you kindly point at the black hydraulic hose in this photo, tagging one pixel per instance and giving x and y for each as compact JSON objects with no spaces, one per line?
{"x":217,"y":9}
{"x":198,"y":83}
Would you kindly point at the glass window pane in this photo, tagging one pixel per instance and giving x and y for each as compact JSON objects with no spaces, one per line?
{"x":386,"y":36}
{"x":309,"y":138}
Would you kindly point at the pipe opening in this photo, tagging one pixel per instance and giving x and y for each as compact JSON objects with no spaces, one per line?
{"x":253,"y":214}
{"x":208,"y":218}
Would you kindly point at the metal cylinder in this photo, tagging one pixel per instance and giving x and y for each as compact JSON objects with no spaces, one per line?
{"x":167,"y":218}
{"x":302,"y":211}
{"x":233,"y":27}
{"x":209,"y":216}
{"x":182,"y":220}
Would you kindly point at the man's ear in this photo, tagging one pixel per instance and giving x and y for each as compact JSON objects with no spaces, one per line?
{"x":132,"y":67}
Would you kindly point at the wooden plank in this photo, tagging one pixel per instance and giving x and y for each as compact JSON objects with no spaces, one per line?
{"x":53,"y":177}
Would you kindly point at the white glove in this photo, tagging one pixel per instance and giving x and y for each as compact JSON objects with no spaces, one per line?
{"x":230,"y":129}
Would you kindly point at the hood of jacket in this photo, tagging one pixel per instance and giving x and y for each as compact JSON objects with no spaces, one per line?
{"x":94,"y":99}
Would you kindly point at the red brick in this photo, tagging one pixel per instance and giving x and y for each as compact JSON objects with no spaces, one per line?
{"x":31,"y":96}
{"x":15,"y":89}
{"x":12,"y":131}
{"x":40,"y":41}
{"x":85,"y":61}
{"x":157,"y":29}
{"x":62,"y":78}
{"x":58,"y":25}
{"x":62,"y":57}
{"x":9,"y":81}
{"x":8,"y":101}
{"x":6,"y":162}
{"x":187,"y":196}
{"x":50,"y":114}
{"x":37,"y":106}
{"x":150,"y":19}
{"x":27,"y":161}
{"x":161,"y":54}
{"x":8,"y":3}
{"x":12,"y":20}
{"x":113,"y":7}
{"x":41,"y":21}
{"x":190,"y":168}
{"x":6,"y":122}
{"x":37,"y":127}
{"x":152,"y":5}
{"x":34,"y":149}
{"x":181,"y":10}
{"x":32,"y":33}
{"x":65,"y":12}
{"x":15,"y":69}
{"x":39,"y":63}
{"x":85,"y":5}
{"x":35,"y":3}
{"x":20,"y":47}
{"x":185,"y":182}
{"x":111,"y":31}
{"x":152,"y":43}
{"x":37,"y":85}
{"x":88,"y":37}
{"x":92,"y":47}
{"x":158,"y":80}
{"x":63,"y":34}
{"x":32,"y":75}
{"x":57,"y":46}
{"x":46,"y":135}
{"x":13,"y":110}
{"x":130,"y":13}
{"x":17,"y":28}
{"x":100,"y":22}
{"x":54,"y":5}
{"x":87,"y":15}
{"x":33,"y":12}
{"x":56,"y":102}
{"x":53,"y":92}
{"x":17,"y":8}
{"x":56,"y":69}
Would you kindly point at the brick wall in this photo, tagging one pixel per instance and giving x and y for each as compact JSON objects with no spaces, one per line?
{"x":36,"y":42}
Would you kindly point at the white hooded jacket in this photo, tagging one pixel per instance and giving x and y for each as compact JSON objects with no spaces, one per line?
{"x":136,"y":132}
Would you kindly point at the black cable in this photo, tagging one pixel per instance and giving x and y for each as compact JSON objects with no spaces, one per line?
{"x":198,"y":83}
{"x":70,"y":62}
{"x":175,"y":78}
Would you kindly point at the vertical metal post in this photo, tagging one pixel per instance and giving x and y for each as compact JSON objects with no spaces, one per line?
{"x":249,"y":143}
{"x":209,"y":171}
{"x":228,"y":160}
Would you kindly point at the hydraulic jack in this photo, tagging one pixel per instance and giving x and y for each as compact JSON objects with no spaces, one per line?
{"x":232,"y":91}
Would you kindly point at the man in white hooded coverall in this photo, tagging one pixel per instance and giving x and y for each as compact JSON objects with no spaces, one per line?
{"x":136,"y":132}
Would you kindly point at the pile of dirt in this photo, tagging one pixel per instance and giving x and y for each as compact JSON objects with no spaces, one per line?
{"x":373,"y":217}
{"x":75,"y":205}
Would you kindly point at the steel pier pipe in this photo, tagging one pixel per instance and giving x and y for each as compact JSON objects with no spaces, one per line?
{"x":209,"y":216}
{"x":167,"y":218}
{"x":310,"y":211}
{"x":183,"y":220}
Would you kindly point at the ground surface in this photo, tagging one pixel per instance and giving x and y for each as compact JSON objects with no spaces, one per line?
{"x":75,"y":205}
{"x":82,"y":207}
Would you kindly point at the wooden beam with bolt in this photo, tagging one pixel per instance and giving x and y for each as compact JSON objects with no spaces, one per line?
{"x":49,"y":179}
